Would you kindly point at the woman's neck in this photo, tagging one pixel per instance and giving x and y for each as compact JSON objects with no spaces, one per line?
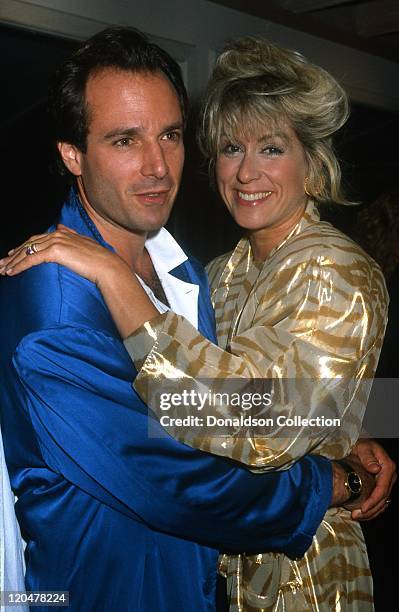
{"x":264,"y":240}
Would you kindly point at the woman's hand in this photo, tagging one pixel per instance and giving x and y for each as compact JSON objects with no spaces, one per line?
{"x":116,"y":281}
{"x":64,"y":246}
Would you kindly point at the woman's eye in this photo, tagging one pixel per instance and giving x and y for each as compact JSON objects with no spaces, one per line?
{"x":272,"y":150}
{"x":231,"y":149}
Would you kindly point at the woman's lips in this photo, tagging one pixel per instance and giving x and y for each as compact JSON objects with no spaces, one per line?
{"x":246,"y":198}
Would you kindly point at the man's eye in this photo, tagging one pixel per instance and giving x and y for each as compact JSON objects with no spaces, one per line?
{"x":174,"y":136}
{"x":123,"y":142}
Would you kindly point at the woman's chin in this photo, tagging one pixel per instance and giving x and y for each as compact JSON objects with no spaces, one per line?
{"x":250,"y":225}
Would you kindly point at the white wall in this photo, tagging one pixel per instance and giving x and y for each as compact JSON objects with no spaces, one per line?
{"x":194,"y":30}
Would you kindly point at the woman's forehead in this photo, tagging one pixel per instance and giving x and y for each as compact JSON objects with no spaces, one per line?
{"x":256,"y":128}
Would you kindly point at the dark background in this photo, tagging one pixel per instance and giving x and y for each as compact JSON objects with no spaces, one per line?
{"x":32,"y":193}
{"x":32,"y":190}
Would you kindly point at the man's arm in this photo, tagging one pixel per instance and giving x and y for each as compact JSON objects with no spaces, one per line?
{"x":94,"y":431}
{"x":381,"y":465}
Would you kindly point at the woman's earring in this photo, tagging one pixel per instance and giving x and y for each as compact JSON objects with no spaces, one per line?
{"x":306,"y":187}
{"x":317,"y":191}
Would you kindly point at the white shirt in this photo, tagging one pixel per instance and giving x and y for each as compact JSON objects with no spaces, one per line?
{"x":11,"y":548}
{"x":166,"y":255}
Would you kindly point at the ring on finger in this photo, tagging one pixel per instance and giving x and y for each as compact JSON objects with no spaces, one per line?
{"x":31,"y":248}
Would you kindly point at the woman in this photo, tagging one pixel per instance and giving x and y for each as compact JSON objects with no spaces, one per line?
{"x":295,"y":301}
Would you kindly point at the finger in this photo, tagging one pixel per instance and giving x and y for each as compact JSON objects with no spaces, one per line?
{"x":376,"y":511}
{"x":20,"y":252}
{"x":367,"y":452}
{"x":375,"y":508}
{"x":383,"y":459}
{"x":52,"y":242}
{"x":8,"y":262}
{"x":24,"y":263}
{"x":38,"y":239}
{"x":372,"y":466}
{"x":387,"y":476}
{"x":34,"y":238}
{"x":371,"y":514}
{"x":22,"y":248}
{"x":380,"y":493}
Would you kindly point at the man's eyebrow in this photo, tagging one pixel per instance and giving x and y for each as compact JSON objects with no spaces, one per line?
{"x":178,"y":125}
{"x":122,"y":131}
{"x":135,"y":131}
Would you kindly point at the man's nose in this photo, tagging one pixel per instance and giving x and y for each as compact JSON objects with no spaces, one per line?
{"x":154,"y":161}
{"x":248,"y":169}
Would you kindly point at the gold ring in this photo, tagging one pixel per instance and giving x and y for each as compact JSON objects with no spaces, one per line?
{"x":31,"y":248}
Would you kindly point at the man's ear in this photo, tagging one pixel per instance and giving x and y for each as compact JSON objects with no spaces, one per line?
{"x":71,"y":156}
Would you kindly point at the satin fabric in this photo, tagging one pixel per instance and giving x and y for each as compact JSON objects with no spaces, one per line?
{"x":309,"y":319}
{"x":121,"y":520}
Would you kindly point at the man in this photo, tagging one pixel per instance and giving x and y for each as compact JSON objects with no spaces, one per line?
{"x":121,"y":520}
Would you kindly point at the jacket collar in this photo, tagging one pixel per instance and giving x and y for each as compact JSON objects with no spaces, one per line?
{"x":167,"y":256}
{"x":241,"y":265}
{"x":165,"y":252}
{"x":73,"y":215}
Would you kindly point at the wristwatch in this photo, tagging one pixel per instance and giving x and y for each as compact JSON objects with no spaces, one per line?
{"x":353,"y":482}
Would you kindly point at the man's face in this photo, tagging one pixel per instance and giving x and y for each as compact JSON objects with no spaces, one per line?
{"x":133,"y":163}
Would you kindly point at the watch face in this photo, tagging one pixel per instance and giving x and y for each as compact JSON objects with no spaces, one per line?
{"x":354,"y":482}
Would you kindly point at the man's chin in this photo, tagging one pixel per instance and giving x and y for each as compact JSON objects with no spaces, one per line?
{"x":159,"y":221}
{"x":149,"y":225}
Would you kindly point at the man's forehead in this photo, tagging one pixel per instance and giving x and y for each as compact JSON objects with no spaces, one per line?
{"x":111,"y":80}
{"x":111,"y":91}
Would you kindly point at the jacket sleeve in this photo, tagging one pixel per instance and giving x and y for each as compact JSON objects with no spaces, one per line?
{"x":94,"y":430}
{"x":316,"y":333}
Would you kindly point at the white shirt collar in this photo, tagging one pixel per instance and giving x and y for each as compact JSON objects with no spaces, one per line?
{"x":166,"y":254}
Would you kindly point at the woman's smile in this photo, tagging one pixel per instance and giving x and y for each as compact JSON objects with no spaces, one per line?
{"x":246,"y":198}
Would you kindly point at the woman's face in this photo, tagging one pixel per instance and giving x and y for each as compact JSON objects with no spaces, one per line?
{"x":261,"y":177}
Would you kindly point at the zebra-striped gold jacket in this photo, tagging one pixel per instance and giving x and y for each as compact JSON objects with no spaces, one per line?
{"x":311,"y":318}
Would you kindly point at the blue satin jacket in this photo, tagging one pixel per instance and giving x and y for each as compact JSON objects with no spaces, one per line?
{"x":121,"y":520}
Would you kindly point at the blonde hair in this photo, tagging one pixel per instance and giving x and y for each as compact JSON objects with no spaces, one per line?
{"x":254,"y":82}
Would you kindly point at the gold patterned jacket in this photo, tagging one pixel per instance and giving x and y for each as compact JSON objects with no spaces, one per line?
{"x":311,"y":318}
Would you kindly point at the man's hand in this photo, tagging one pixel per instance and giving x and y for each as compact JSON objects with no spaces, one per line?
{"x":374,"y":460}
{"x":341,"y":494}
